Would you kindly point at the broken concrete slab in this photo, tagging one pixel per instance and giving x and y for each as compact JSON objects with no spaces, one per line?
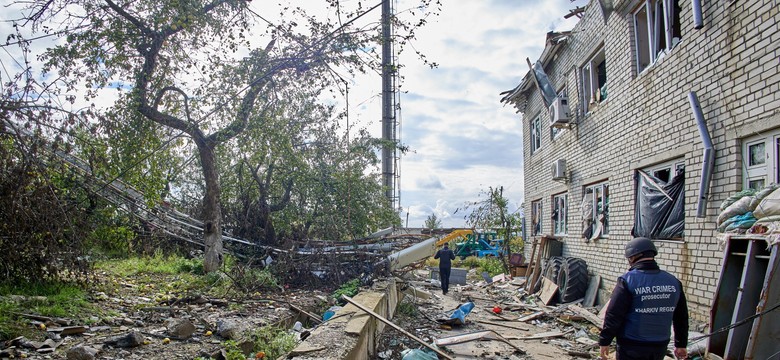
{"x":82,"y":353}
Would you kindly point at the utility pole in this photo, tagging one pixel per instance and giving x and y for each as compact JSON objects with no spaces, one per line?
{"x":388,"y":106}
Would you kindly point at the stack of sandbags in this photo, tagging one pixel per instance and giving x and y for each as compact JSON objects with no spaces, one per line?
{"x":738,"y":212}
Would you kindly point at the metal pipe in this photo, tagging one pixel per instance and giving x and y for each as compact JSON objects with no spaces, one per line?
{"x":698,"y":21}
{"x":708,"y":161}
{"x":413,"y":253}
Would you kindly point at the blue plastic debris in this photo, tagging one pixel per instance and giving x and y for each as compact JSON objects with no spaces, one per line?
{"x":459,"y":315}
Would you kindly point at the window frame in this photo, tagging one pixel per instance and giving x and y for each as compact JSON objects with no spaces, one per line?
{"x":769,"y":170}
{"x":536,"y":133}
{"x":560,"y":204}
{"x":666,"y":165}
{"x":603,"y":188}
{"x":537,"y":213}
{"x":589,"y":78}
{"x":659,"y":29}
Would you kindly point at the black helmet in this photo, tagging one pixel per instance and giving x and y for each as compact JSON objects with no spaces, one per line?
{"x":639,"y":245}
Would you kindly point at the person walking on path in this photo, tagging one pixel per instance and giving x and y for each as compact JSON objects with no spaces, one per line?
{"x":645,"y":304}
{"x":445,"y":256}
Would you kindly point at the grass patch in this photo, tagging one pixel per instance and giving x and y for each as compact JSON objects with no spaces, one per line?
{"x":52,"y":299}
{"x":157,"y":264}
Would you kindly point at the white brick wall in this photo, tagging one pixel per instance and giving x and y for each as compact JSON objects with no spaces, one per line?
{"x":733,"y":65}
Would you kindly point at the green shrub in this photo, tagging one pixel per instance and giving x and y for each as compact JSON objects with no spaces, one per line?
{"x":492,"y":265}
{"x":349,"y":288}
{"x":232,"y":350}
{"x":274,"y":341}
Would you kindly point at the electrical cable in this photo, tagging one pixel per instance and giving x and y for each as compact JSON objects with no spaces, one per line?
{"x":736,"y":324}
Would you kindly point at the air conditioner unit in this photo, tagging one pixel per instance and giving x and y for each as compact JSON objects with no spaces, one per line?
{"x":559,"y":169}
{"x":559,"y":112}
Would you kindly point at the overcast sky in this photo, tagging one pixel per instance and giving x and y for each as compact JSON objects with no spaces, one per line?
{"x":462,"y":139}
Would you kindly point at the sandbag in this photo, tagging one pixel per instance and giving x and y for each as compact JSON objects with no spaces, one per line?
{"x":768,"y":219}
{"x":769,"y":206}
{"x":744,"y":221}
{"x":739,"y":207}
{"x":733,"y":198}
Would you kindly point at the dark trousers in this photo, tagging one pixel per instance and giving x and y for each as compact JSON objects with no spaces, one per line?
{"x":444,"y":275}
{"x":639,"y":352}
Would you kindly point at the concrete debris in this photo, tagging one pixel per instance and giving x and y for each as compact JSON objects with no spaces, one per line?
{"x":180,"y":329}
{"x":82,"y":353}
{"x":129,"y":340}
{"x":229,"y":329}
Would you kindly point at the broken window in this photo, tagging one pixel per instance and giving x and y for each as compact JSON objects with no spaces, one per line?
{"x":594,"y":81}
{"x":761,"y":156}
{"x":660,"y":202}
{"x":536,"y":133}
{"x":560,"y":214}
{"x":536,"y":217}
{"x":656,"y":30}
{"x":596,"y":202}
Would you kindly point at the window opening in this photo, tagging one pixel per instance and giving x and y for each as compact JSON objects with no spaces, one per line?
{"x":560,"y":214}
{"x":536,"y":217}
{"x":594,"y":81}
{"x":659,"y":206}
{"x":536,"y":134}
{"x":656,"y":30}
{"x":595,"y":211}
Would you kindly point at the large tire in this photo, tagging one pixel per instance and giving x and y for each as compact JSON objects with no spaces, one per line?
{"x":551,"y":269}
{"x":572,"y":280}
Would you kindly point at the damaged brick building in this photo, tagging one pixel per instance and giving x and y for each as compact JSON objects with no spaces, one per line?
{"x":615,"y":107}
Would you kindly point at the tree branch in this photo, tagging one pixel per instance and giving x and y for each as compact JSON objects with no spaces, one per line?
{"x":141,"y":26}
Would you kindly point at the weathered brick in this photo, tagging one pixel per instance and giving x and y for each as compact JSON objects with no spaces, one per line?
{"x":733,"y":66}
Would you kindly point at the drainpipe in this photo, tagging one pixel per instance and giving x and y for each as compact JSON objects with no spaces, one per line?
{"x":698,"y":23}
{"x":709,"y":156}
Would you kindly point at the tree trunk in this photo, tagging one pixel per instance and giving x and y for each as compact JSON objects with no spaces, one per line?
{"x":212,"y":208}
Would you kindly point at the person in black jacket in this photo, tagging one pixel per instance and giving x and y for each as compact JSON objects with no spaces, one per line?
{"x":445,"y":256}
{"x":645,"y":304}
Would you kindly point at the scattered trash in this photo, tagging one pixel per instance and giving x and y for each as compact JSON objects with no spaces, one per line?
{"x":418,"y":354}
{"x":330,"y":312}
{"x":458,"y":316}
{"x":496,"y":310}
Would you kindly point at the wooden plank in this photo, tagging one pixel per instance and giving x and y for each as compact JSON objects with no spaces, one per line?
{"x":531,"y":316}
{"x":464,"y":338}
{"x":544,"y":335}
{"x":538,"y":267}
{"x":480,"y":335}
{"x":501,"y":324}
{"x":531,"y":267}
{"x":315,"y":318}
{"x":592,"y":318}
{"x":549,"y":289}
{"x":603,"y":311}
{"x":394,"y":326}
{"x":593,"y":288}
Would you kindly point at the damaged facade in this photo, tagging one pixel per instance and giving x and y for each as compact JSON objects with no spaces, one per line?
{"x":627,"y":69}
